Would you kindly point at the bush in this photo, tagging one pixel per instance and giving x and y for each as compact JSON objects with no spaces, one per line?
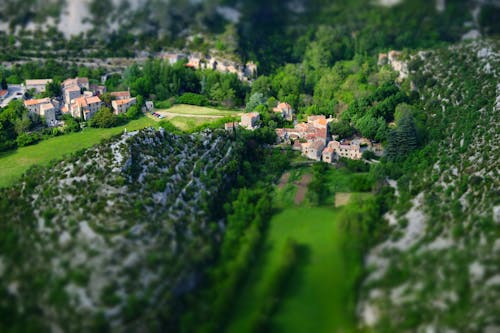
{"x":192,"y":99}
{"x":133,"y":112}
{"x":104,"y":118}
{"x":26,"y":139}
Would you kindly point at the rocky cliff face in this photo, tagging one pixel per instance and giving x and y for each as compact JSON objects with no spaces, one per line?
{"x":439,"y":269}
{"x":112,"y":236}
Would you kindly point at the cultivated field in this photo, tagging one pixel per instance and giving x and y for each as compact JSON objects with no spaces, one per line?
{"x":187,"y":117}
{"x":14,"y":163}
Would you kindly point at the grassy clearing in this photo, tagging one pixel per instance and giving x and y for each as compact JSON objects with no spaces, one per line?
{"x":14,"y":163}
{"x":319,"y":296}
{"x":183,"y":109}
{"x":189,"y":123}
{"x":320,"y":293}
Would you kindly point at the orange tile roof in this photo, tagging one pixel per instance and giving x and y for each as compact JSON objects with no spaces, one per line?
{"x":120,"y":93}
{"x":93,"y":99}
{"x":3,"y":92}
{"x":36,"y":101}
{"x":284,"y":106}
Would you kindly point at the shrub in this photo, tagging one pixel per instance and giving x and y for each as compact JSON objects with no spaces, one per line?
{"x":193,"y":99}
{"x":26,"y":139}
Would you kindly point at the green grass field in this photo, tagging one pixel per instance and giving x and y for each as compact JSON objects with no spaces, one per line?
{"x":189,"y":123}
{"x":188,"y":117}
{"x":320,"y":293}
{"x":14,"y":163}
{"x":198,"y":110}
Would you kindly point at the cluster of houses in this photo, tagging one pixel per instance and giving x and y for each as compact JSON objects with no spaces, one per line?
{"x":200,"y":61}
{"x":313,"y":140}
{"x":79,"y":98}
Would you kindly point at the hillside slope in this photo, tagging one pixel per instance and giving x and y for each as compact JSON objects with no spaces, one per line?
{"x":110,"y":237}
{"x":440,"y":268}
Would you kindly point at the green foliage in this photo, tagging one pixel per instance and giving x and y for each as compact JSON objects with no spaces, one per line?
{"x":317,"y":190}
{"x":192,"y":99}
{"x":26,"y":139}
{"x":255,"y":100}
{"x":53,"y":89}
{"x":104,"y":118}
{"x":134,"y":112}
{"x":403,"y":139}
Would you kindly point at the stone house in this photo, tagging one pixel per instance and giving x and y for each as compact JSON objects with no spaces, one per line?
{"x":33,"y":105}
{"x":86,"y":106}
{"x":121,"y":95}
{"x":122,"y":105}
{"x":328,"y":155}
{"x":249,"y":120}
{"x":285,"y":110}
{"x":37,"y":85}
{"x":313,"y":149}
{"x":70,"y":93}
{"x":231,"y":126}
{"x":48,"y":110}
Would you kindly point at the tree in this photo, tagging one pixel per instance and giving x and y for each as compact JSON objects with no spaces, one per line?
{"x":255,"y":100}
{"x":53,"y":89}
{"x":341,"y":128}
{"x":403,"y":139}
{"x":3,"y":83}
{"x":103,"y":118}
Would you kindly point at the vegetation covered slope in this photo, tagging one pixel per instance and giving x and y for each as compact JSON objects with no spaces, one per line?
{"x":439,"y":269}
{"x":112,"y":236}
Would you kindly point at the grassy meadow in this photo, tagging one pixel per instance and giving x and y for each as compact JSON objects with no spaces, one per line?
{"x":319,"y":295}
{"x":188,"y":117}
{"x":14,"y":163}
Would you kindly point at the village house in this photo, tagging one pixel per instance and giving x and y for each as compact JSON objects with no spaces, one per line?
{"x":85,"y":106}
{"x":98,"y":89}
{"x":328,"y":155}
{"x":122,"y":105}
{"x":346,"y":149}
{"x":231,"y":126}
{"x":43,"y":107}
{"x":33,"y":105}
{"x":313,"y":149}
{"x":249,"y":120}
{"x":71,"y":93}
{"x":118,"y":95}
{"x":37,"y":85}
{"x":48,"y":110}
{"x":81,"y":82}
{"x":285,"y":110}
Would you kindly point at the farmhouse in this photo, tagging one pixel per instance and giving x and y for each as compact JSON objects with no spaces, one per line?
{"x":33,"y":105}
{"x":119,"y":95}
{"x":37,"y":85}
{"x":48,"y":110}
{"x":70,"y":93}
{"x":85,"y":106}
{"x":346,"y":149}
{"x":249,"y":120}
{"x":122,"y":105}
{"x":313,"y":149}
{"x":231,"y":126}
{"x":81,"y":82}
{"x":285,"y":110}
